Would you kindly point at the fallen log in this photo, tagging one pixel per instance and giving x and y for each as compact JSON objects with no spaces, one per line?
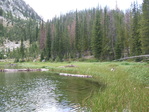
{"x":22,"y":70}
{"x":75,"y":75}
{"x":67,"y":66}
{"x":140,"y":56}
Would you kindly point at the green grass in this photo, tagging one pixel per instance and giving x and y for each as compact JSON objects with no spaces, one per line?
{"x":126,"y":88}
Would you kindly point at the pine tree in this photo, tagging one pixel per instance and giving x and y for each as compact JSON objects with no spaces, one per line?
{"x":118,"y":50}
{"x":106,"y":47}
{"x":1,"y":30}
{"x":61,"y":51}
{"x":42,"y":39}
{"x":145,"y":27}
{"x":85,"y":35}
{"x":48,"y":42}
{"x":42,"y":55}
{"x":22,"y":52}
{"x":135,"y":42}
{"x":1,"y":12}
{"x":127,"y":34}
{"x":119,"y":38}
{"x":37,"y":31}
{"x":1,"y":23}
{"x":97,"y":39}
{"x":57,"y":45}
{"x":77,"y":37}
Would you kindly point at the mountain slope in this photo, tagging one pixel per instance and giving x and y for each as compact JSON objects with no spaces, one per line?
{"x":17,"y":21}
{"x":18,"y":8}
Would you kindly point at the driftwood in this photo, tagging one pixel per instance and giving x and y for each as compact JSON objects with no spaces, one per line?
{"x":22,"y":70}
{"x":140,"y":56}
{"x":12,"y":65}
{"x":67,"y":66}
{"x":75,"y":75}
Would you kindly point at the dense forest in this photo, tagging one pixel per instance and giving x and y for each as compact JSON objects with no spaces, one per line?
{"x":106,"y":34}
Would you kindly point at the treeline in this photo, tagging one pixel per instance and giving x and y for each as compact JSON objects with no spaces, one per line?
{"x":106,"y":34}
{"x":103,"y":33}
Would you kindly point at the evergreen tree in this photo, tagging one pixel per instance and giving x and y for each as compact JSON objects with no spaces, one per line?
{"x":37,"y":31}
{"x":105,"y":41}
{"x":85,"y":35}
{"x":48,"y":42}
{"x":42,"y":56}
{"x":107,"y":34}
{"x":97,"y":39}
{"x":135,"y":42}
{"x":77,"y":37}
{"x":57,"y":45}
{"x":42,"y":39}
{"x":1,"y":23}
{"x":22,"y":52}
{"x":119,"y":38}
{"x":61,"y":49}
{"x":118,"y":50}
{"x":145,"y":27}
{"x":127,"y":35}
{"x":1,"y":12}
{"x":1,"y":30}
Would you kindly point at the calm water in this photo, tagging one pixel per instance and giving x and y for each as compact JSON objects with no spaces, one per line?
{"x":43,"y":92}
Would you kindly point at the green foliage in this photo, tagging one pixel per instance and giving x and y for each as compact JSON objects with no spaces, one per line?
{"x":16,"y":60}
{"x":106,"y":51}
{"x":135,"y":42}
{"x":77,"y":37}
{"x":105,"y":34}
{"x":85,"y":40}
{"x":33,"y":50}
{"x":118,"y":50}
{"x":97,"y":39}
{"x":42,"y":57}
{"x":1,"y":12}
{"x":57,"y":59}
{"x":26,"y":29}
{"x":1,"y":30}
{"x":1,"y":55}
{"x":48,"y":42}
{"x":22,"y":52}
{"x":145,"y":27}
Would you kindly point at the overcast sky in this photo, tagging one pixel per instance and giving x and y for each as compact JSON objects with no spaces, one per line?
{"x":47,"y":9}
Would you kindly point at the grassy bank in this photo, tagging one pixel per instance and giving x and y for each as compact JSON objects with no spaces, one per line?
{"x":127,"y":83}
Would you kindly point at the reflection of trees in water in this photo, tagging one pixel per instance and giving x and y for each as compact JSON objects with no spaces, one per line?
{"x":35,"y":89}
{"x":78,"y":90}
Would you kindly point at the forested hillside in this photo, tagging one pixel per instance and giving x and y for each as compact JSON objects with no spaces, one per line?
{"x":107,"y":34}
{"x":18,"y":21}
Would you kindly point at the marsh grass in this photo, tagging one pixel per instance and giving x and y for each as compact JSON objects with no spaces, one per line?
{"x":126,"y":87}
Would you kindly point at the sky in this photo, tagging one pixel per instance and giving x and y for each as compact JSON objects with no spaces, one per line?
{"x":48,"y":9}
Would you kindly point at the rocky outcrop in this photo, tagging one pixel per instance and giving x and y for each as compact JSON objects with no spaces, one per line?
{"x":18,"y":8}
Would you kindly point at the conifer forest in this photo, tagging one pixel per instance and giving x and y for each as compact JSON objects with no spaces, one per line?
{"x":107,"y":34}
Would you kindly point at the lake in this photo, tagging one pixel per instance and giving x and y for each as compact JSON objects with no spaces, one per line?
{"x":44,"y":92}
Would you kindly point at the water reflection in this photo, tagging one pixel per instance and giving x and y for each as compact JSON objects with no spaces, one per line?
{"x":43,"y":92}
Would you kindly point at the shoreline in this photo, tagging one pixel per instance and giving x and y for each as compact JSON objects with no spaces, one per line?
{"x":22,"y":70}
